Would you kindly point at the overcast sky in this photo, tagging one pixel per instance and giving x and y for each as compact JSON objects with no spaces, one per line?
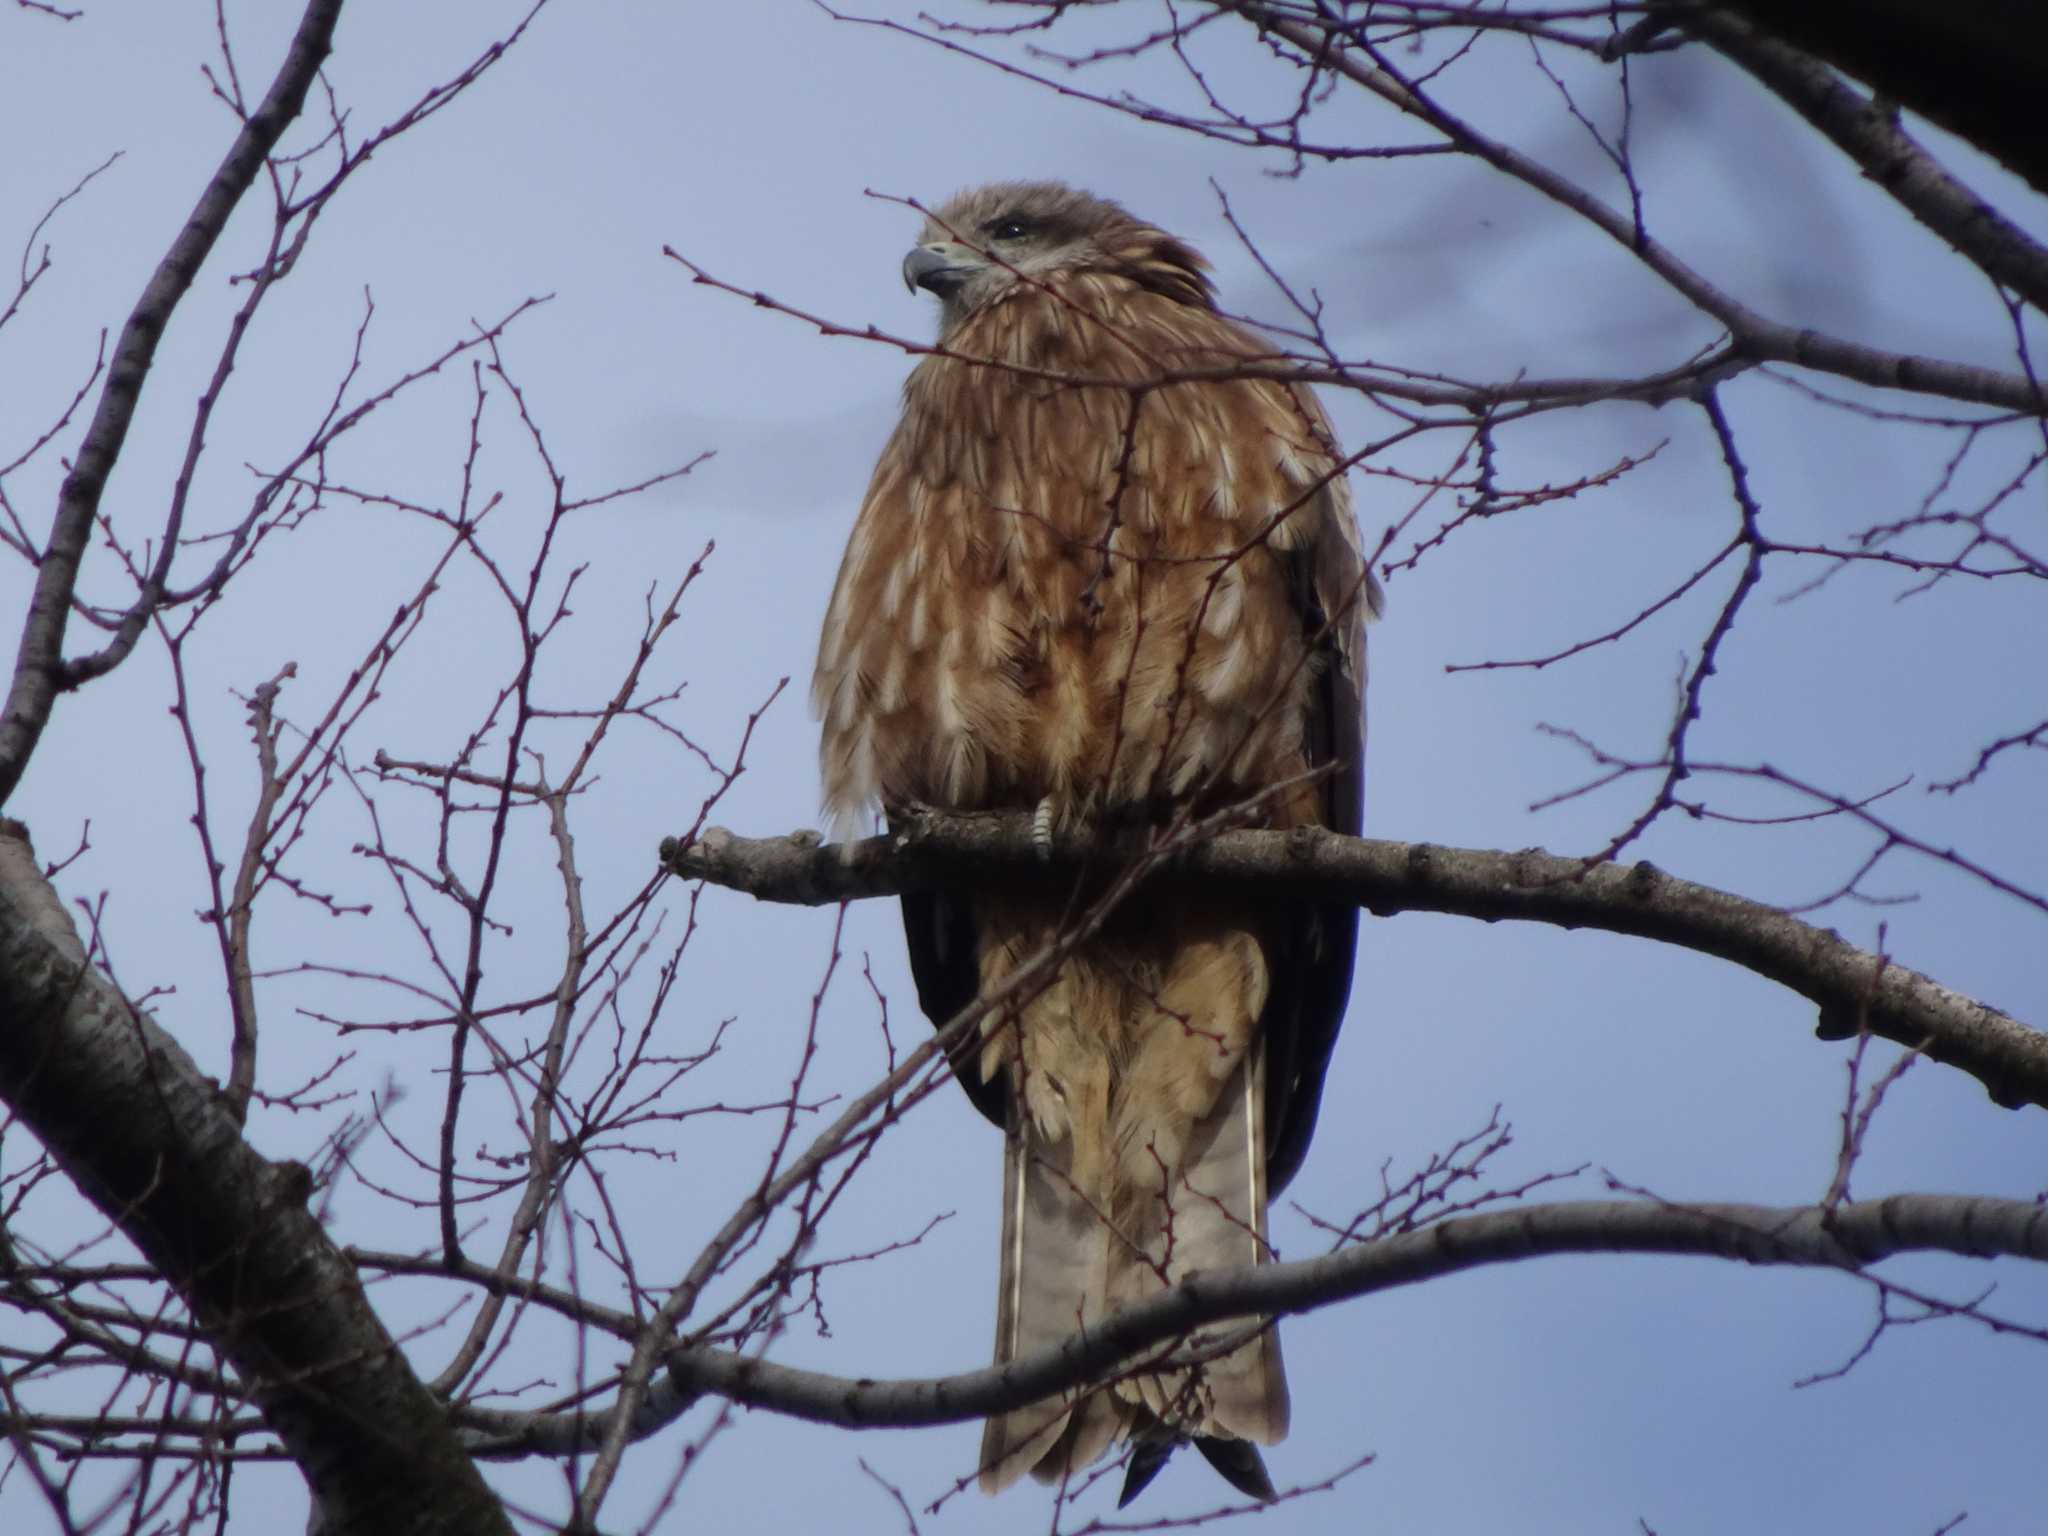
{"x":1564,"y":1396}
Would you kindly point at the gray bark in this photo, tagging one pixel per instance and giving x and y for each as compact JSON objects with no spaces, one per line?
{"x":130,"y":1118}
{"x":1852,"y":987}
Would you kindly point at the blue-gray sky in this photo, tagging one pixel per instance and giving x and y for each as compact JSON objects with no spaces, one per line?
{"x":1564,"y":1396}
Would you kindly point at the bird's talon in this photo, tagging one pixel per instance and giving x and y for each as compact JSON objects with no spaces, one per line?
{"x":1041,"y":829}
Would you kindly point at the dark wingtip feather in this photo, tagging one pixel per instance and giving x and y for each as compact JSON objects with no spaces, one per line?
{"x":1241,"y":1465}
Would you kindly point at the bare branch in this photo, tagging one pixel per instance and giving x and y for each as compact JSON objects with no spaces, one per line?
{"x":1974,"y":68}
{"x":136,"y":1125}
{"x":1842,"y":1237}
{"x":1341,"y":47}
{"x":39,"y":662}
{"x":2010,"y":1059}
{"x":1871,"y":136}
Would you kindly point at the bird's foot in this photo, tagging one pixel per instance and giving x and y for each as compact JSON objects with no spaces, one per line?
{"x":1042,"y":822}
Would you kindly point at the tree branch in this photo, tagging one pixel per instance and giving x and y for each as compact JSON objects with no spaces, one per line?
{"x":1871,"y":136}
{"x":1973,"y":66}
{"x":1844,"y":1237}
{"x":38,"y":664}
{"x":1338,"y":47}
{"x":134,"y":1123}
{"x":1852,"y":987}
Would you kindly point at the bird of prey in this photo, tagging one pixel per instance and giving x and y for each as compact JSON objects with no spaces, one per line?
{"x":1107,"y":569}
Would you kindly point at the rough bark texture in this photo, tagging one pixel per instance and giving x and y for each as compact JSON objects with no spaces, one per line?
{"x":131,"y":1119}
{"x":1973,"y":66}
{"x":1843,"y":1237}
{"x":1852,"y":987}
{"x":1868,"y":131}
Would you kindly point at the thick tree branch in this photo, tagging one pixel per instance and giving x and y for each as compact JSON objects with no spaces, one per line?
{"x":1844,"y":1237}
{"x":1871,"y":136}
{"x":39,"y":663}
{"x":131,"y":1119}
{"x":1334,"y":46}
{"x":1973,"y":66}
{"x":1851,"y":986}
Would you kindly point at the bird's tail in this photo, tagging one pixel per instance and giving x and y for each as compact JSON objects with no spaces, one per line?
{"x":1129,"y":1201}
{"x":1054,"y":1280}
{"x":1210,"y":1214}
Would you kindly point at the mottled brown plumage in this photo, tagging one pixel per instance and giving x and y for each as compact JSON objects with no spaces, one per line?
{"x":1085,"y":581}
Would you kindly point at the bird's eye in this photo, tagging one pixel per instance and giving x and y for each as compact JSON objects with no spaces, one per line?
{"x":1008,"y":229}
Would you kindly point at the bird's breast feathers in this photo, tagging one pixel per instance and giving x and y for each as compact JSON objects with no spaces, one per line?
{"x":1069,"y":576}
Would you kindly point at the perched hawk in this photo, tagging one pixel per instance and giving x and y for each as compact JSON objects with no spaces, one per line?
{"x":1098,"y":577}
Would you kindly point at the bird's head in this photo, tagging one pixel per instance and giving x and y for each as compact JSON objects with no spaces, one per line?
{"x":986,"y":244}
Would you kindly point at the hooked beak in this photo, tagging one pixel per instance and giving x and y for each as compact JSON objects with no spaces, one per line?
{"x":939,"y":268}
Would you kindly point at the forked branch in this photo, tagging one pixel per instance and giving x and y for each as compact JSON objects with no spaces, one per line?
{"x":38,"y":666}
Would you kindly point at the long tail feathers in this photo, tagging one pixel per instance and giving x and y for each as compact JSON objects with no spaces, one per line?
{"x":1213,"y":1216}
{"x":1064,"y":1266}
{"x":1054,"y":1279}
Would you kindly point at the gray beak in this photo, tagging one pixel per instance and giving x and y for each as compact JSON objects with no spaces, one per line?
{"x":931,"y":267}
